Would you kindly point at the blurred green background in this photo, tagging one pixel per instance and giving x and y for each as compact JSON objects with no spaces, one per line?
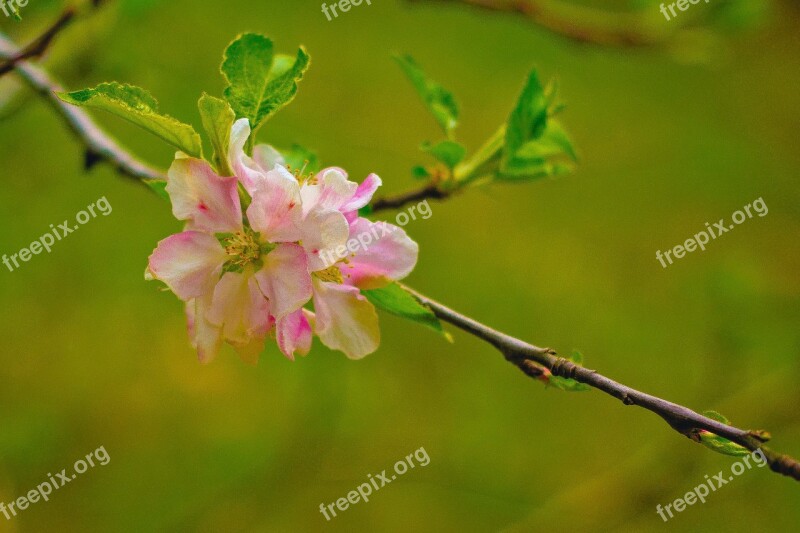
{"x":93,"y":356}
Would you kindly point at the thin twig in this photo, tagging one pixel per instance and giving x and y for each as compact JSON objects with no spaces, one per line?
{"x":39,"y":46}
{"x":99,"y":145}
{"x":629,"y":34}
{"x":533,"y":361}
{"x":430,"y":191}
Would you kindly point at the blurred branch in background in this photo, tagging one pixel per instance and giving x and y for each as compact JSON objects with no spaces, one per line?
{"x":627,"y":30}
{"x":642,"y":28}
{"x":39,"y":46}
{"x":99,"y":146}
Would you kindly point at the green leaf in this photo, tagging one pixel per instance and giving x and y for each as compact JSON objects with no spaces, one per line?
{"x":450,"y":153}
{"x":439,"y":100}
{"x":554,"y":141}
{"x":218,"y":118}
{"x":302,"y":159}
{"x":717,"y":443}
{"x":396,"y":300}
{"x":716,"y":416}
{"x":722,"y":445}
{"x":420,"y":173}
{"x":529,"y":118}
{"x":139,"y":107}
{"x":569,"y":385}
{"x":521,"y":170}
{"x":260,"y":83}
{"x":536,"y":145}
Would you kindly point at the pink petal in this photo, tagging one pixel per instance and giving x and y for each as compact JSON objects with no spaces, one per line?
{"x":322,"y":233}
{"x":250,"y":174}
{"x":207,"y":201}
{"x":239,"y":308}
{"x":285,"y":280}
{"x":331,"y":191}
{"x":267,"y":157}
{"x":205,"y":337}
{"x":387,"y":253}
{"x":363,"y":194}
{"x":294,"y":334}
{"x":345,"y":320}
{"x":189,"y":263}
{"x":275,"y":211}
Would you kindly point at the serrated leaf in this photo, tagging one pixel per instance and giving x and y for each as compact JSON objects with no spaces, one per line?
{"x":218,"y":118}
{"x":396,"y":300}
{"x":450,"y":153}
{"x":260,"y":83}
{"x":138,"y":106}
{"x":439,"y":100}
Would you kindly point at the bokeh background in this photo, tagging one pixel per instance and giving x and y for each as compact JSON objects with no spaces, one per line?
{"x":670,"y":137}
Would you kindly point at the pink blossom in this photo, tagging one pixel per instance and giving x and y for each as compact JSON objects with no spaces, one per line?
{"x":242,"y":277}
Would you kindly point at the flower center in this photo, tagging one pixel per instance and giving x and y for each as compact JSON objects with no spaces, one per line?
{"x":243,"y":248}
{"x":332,"y":274}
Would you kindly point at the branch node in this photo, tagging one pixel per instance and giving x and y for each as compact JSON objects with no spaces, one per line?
{"x":760,"y":435}
{"x":564,"y":368}
{"x":626,"y":399}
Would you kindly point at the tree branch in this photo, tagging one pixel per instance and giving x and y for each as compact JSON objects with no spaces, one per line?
{"x":629,"y":33}
{"x":537,"y":362}
{"x":429,"y":191}
{"x":100,"y":147}
{"x":39,"y":46}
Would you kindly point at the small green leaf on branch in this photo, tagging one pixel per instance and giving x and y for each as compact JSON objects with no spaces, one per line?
{"x":218,"y":118}
{"x":259,"y":82}
{"x":717,"y":443}
{"x":396,"y":300}
{"x":138,"y":106}
{"x":439,"y":100}
{"x":450,"y":153}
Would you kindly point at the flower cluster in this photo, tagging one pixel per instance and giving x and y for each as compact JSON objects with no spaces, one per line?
{"x":249,"y":262}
